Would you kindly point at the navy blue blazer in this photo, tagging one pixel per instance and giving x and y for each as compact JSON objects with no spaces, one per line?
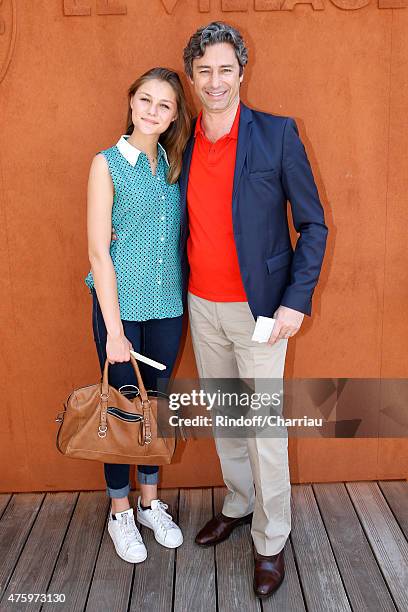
{"x":271,"y":168}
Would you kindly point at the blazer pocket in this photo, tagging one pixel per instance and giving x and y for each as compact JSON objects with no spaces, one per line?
{"x":263,"y":174}
{"x":279,"y":261}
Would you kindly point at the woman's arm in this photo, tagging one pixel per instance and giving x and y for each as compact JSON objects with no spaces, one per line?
{"x":100,"y":200}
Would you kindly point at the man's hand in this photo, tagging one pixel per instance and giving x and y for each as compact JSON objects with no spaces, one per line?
{"x":287,"y":324}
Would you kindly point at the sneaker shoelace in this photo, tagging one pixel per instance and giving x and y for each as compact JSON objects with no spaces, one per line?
{"x":130,"y":530}
{"x":164,"y":518}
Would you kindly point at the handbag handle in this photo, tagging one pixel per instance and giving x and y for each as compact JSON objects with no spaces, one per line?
{"x":146,"y":434}
{"x":142,"y":388}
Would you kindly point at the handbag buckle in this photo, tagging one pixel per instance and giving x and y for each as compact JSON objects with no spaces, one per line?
{"x":104,"y":396}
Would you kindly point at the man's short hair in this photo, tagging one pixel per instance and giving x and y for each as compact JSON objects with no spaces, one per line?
{"x":211,"y":34}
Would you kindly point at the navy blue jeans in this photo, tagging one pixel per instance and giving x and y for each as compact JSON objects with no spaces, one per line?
{"x":158,"y":339}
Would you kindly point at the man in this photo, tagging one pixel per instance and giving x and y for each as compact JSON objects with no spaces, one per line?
{"x":240,"y":168}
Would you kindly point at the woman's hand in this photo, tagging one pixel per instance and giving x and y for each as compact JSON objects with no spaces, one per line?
{"x":118,"y":348}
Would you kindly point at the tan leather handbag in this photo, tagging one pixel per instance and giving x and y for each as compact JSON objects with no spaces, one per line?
{"x":102,"y":424}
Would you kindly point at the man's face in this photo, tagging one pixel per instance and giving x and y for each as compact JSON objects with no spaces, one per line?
{"x":216,"y":78}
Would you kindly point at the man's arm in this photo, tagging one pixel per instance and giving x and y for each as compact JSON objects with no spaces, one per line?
{"x":308,"y":218}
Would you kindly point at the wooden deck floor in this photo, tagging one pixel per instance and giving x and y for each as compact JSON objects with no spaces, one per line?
{"x":348,"y":550}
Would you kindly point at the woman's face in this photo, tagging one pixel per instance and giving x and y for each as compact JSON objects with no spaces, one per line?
{"x":154,"y":107}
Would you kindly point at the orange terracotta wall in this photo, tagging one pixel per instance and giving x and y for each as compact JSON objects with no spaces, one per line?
{"x":338,"y":66}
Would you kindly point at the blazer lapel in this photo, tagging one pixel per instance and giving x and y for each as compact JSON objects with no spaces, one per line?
{"x":185,"y":172}
{"x":244,"y":134}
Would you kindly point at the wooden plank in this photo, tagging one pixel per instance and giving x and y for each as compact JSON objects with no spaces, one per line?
{"x":112,"y":579}
{"x":235,"y":573}
{"x":235,"y":567}
{"x":289,"y":595}
{"x":321,"y":582}
{"x":75,"y":565}
{"x":153,"y":580}
{"x":195,"y":568}
{"x":364,"y":583}
{"x":386,"y":538}
{"x":4,"y":500}
{"x":37,"y":560}
{"x":396,"y":494}
{"x":15,"y":525}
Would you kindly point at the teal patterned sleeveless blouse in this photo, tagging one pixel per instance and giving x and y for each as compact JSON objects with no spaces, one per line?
{"x":146,"y":216}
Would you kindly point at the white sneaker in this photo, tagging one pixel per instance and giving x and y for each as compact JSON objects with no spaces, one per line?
{"x":166,"y":532}
{"x":126,"y":536}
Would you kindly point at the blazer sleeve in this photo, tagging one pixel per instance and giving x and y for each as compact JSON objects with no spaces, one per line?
{"x":308,"y":218}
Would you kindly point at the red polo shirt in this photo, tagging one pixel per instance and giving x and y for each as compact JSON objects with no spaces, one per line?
{"x":212,"y":254}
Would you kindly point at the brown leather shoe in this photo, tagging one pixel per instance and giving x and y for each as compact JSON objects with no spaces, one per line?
{"x":219,"y":529}
{"x":269,"y":573}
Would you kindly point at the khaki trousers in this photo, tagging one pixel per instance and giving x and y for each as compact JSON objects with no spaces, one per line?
{"x":255,"y":470}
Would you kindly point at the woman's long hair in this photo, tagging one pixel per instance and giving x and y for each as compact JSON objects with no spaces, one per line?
{"x":175,"y":138}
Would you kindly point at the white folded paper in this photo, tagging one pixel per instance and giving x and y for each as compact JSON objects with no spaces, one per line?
{"x":263,"y":329}
{"x":150,"y":362}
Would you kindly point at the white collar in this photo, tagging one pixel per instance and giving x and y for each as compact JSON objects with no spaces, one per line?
{"x":131,"y":153}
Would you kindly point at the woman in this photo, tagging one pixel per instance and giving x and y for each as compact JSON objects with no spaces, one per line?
{"x":136,"y":279}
